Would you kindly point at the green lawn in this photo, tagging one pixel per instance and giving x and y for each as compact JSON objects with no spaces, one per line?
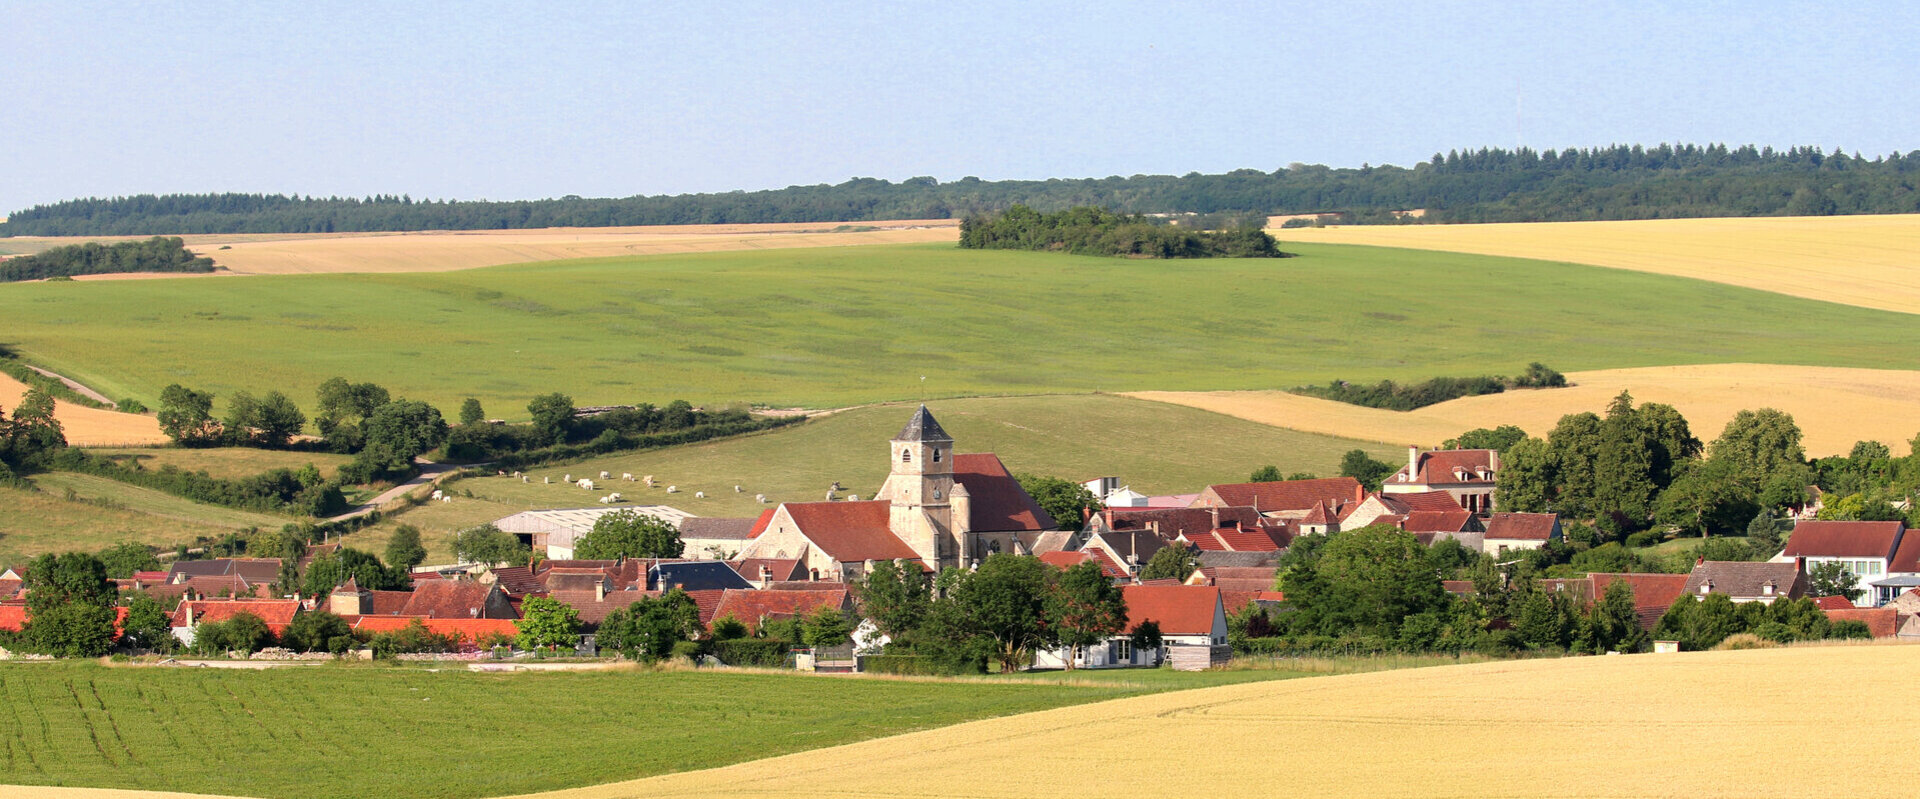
{"x":837,"y":326}
{"x":104,"y":512}
{"x":373,"y":731}
{"x":1155,"y":447}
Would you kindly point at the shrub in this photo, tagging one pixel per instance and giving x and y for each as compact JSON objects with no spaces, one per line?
{"x":1644,"y":538}
{"x":899,"y":664}
{"x":760,"y":652}
{"x":1744,"y":641}
{"x":691,"y":650}
{"x":1849,"y":628}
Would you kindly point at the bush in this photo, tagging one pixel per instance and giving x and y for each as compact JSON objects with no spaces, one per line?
{"x":1744,"y":641}
{"x":899,"y":664}
{"x":759,"y":652}
{"x":1644,"y":538}
{"x":1849,"y":628}
{"x":690,"y":650}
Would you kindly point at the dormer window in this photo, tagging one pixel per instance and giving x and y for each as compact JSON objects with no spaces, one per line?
{"x":1767,"y":590}
{"x":1706,"y":588}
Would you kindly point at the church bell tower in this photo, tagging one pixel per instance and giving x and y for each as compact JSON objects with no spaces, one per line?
{"x":919,"y":487}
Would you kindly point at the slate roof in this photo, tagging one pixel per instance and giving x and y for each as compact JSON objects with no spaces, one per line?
{"x":717,"y":529}
{"x":999,"y":504}
{"x":255,"y":570}
{"x":1521,"y":526}
{"x":1241,"y":559}
{"x":1881,"y":622}
{"x":752,"y":607}
{"x":850,"y":532}
{"x":1741,"y":579}
{"x":1817,"y":539}
{"x":923,"y":427}
{"x":699,"y":575}
{"x":516,"y":580}
{"x":1178,"y":609}
{"x":1139,"y":544}
{"x":1290,"y":495}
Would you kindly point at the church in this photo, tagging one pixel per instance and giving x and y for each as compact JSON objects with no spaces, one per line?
{"x":937,"y":507}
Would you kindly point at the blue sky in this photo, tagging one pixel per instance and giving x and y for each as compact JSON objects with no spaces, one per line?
{"x":505,"y":101}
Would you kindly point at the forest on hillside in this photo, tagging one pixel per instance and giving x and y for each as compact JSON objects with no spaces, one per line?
{"x":1097,"y":231}
{"x":156,"y":254}
{"x":1486,"y":185}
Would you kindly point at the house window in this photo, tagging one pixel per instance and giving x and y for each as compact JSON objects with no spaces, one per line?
{"x":936,"y":456}
{"x":1123,"y":650}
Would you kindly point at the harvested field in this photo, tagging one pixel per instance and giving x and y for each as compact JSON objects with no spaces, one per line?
{"x":441,"y":251}
{"x":1835,"y":407}
{"x":1869,"y":261}
{"x":1673,"y":725}
{"x":87,"y":427}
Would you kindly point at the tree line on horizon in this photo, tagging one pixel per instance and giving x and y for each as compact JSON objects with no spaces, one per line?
{"x":1485,"y":185}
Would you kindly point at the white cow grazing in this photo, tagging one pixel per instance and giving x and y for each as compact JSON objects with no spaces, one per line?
{"x":547,"y":480}
{"x":699,"y":495}
{"x":627,"y":476}
{"x":615,"y":496}
{"x":736,"y":489}
{"x":673,"y":489}
{"x":446,"y":499}
{"x":760,"y":498}
{"x":604,"y":475}
{"x":586,"y":484}
{"x":853,"y":497}
{"x":648,"y":480}
{"x":525,"y":479}
{"x":437,"y":494}
{"x":605,"y":500}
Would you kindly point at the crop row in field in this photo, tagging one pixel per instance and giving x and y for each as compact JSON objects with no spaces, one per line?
{"x":835,"y":326}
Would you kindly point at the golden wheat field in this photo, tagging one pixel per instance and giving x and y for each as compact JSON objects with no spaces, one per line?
{"x":1696,"y":724}
{"x":90,"y":427}
{"x":1869,"y":261}
{"x":440,"y":251}
{"x":1834,"y":406}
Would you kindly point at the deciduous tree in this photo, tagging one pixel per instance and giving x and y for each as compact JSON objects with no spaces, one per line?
{"x":628,"y":533}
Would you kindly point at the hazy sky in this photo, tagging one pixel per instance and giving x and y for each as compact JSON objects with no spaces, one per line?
{"x":506,"y":101}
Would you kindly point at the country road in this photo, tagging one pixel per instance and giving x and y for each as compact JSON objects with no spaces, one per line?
{"x":429,"y":471}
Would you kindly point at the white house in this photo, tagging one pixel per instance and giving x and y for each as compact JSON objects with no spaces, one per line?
{"x":1193,"y":631}
{"x":1881,"y":559}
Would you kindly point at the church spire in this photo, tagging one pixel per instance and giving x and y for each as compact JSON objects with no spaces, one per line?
{"x":922,"y":427}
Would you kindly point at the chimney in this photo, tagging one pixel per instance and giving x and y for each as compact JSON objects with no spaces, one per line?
{"x":1700,"y":561}
{"x":1215,"y":512}
{"x":766,"y":577}
{"x":600,"y":590}
{"x":1413,"y":462}
{"x":1800,"y":565}
{"x":188,"y":608}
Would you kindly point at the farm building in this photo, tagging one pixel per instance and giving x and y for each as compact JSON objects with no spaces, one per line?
{"x":556,"y":530}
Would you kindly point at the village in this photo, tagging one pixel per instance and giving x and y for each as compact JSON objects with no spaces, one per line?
{"x":803,"y":578}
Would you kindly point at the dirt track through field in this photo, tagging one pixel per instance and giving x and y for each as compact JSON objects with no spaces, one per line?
{"x":89,"y":427}
{"x":1869,"y":261}
{"x":1834,"y":407}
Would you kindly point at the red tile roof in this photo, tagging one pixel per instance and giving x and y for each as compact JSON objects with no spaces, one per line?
{"x":1175,"y":522}
{"x":1244,"y":578}
{"x":1424,"y":500}
{"x":760,"y":524}
{"x":516,"y":580}
{"x":1319,"y":515}
{"x":1107,"y":564}
{"x":1288,"y":494}
{"x":465,"y":630}
{"x":1833,"y":603}
{"x":1458,"y":587}
{"x":1451,"y":466}
{"x":999,"y":503}
{"x":277,"y":613}
{"x":1228,"y":539}
{"x":1437,"y":521}
{"x":1906,"y":559}
{"x":1843,"y":539}
{"x":1233,"y":601}
{"x":850,"y":532}
{"x":777,"y":568}
{"x":1178,"y":609}
{"x":1881,"y":622}
{"x":751,"y":607}
{"x":13,"y":617}
{"x":1521,"y":526}
{"x":593,"y":610}
{"x":448,"y":599}
{"x":708,"y":601}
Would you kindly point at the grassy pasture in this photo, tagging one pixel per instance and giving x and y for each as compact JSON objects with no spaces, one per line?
{"x":1834,"y":407}
{"x":835,"y":326}
{"x":1672,"y":725}
{"x":373,"y":731}
{"x":105,"y":512}
{"x":226,"y":462}
{"x":1155,"y":447}
{"x":1857,"y":260}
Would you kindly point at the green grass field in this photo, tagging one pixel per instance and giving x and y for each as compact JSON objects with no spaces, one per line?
{"x":1155,"y":447}
{"x":229,"y":463}
{"x":837,"y":326}
{"x":374,"y":731}
{"x":105,"y":512}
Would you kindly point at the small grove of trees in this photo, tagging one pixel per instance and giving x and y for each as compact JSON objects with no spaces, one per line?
{"x":157,"y":254}
{"x":651,"y":628}
{"x":31,"y":435}
{"x":1394,"y":396}
{"x":70,"y":606}
{"x":1087,"y":230}
{"x":547,"y":624}
{"x":1172,"y":562}
{"x":1068,"y":502}
{"x":1360,"y":466}
{"x":629,"y":534}
{"x":1704,"y":622}
{"x":331,"y":569}
{"x":489,"y":544}
{"x":1002,"y":612}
